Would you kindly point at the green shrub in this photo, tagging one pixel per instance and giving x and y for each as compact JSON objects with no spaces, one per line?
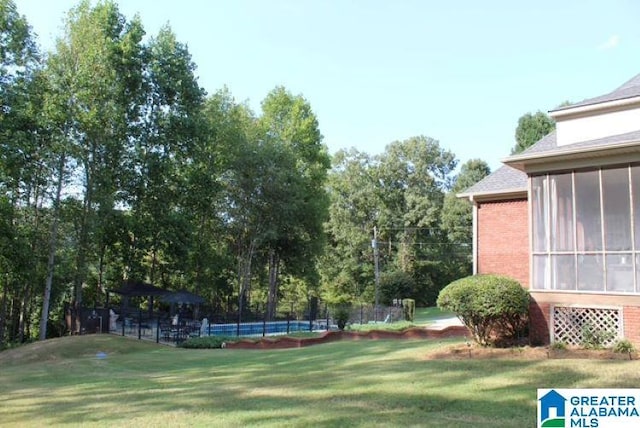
{"x":623,"y":346}
{"x":593,"y":338}
{"x":409,"y":309}
{"x":206,"y":342}
{"x":558,"y":346}
{"x":341,"y":315}
{"x":395,"y":284}
{"x":395,"y":326}
{"x":492,"y":307}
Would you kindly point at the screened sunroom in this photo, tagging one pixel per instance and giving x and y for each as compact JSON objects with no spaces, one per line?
{"x":586,"y":230}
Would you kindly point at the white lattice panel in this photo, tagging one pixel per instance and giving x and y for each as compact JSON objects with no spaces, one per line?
{"x":570,"y":324}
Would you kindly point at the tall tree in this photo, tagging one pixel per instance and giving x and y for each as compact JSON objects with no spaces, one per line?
{"x":96,"y":68}
{"x":401,"y":193}
{"x":54,"y":120}
{"x":347,"y":264}
{"x":414,"y":175}
{"x":288,"y":122}
{"x":457,"y":213}
{"x":210,"y":258}
{"x":24,"y":173}
{"x":531,"y":128}
{"x":244,"y":203}
{"x":169,"y":133}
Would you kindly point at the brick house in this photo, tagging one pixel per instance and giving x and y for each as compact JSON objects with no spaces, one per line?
{"x":563,"y":218}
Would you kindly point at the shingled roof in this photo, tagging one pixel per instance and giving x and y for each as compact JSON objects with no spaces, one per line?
{"x":508,"y":180}
{"x":502,"y":181}
{"x":629,"y":89}
{"x":547,"y":146}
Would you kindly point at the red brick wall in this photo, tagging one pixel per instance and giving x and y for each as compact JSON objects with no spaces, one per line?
{"x":503,"y":239}
{"x":539,"y":319}
{"x":631,"y":316}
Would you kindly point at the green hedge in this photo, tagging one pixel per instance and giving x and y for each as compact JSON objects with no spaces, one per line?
{"x":206,"y":342}
{"x":494,"y":308}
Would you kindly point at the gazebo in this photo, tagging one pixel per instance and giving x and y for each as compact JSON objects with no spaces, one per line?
{"x":132,"y":288}
{"x":145,"y":324}
{"x":139,"y":289}
{"x":182,"y":297}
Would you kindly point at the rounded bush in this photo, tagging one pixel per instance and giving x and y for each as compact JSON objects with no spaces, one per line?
{"x":493,"y":307}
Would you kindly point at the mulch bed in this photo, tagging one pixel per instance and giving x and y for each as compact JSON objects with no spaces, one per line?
{"x":333,"y":336}
{"x":453,"y":352}
{"x":471,"y":351}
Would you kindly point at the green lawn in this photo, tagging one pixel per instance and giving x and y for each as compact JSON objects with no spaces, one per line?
{"x":423,"y":317}
{"x":342,"y":384}
{"x":428,"y":315}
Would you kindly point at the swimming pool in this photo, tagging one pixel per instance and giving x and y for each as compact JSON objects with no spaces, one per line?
{"x":260,"y":328}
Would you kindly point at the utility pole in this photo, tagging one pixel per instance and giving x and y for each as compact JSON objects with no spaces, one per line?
{"x":376,"y":262}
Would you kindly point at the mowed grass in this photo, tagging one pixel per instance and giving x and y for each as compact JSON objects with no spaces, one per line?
{"x":62,"y":382}
{"x":431,"y":314}
{"x":423,"y":317}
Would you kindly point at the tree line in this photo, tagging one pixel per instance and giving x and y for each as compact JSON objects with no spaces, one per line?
{"x":116,"y":165}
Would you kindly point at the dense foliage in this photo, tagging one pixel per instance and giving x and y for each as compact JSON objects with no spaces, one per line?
{"x":115,"y":165}
{"x":493,"y":307}
{"x":423,"y":242}
{"x":530,"y":129}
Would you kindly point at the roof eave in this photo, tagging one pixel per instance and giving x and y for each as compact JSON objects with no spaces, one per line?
{"x":544,"y":160}
{"x":502,"y":195}
{"x":587,"y":109}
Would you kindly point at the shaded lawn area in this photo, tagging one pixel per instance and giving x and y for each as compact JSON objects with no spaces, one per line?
{"x":361,"y":383}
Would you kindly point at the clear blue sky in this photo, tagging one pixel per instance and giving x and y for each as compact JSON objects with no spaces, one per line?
{"x":376,"y":71}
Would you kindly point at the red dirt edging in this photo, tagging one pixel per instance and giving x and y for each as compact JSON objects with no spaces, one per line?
{"x":333,"y":336}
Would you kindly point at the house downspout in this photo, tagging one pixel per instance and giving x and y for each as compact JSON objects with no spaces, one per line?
{"x":474,"y":244}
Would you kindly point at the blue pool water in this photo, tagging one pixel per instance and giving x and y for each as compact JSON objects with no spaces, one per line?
{"x":257,"y":328}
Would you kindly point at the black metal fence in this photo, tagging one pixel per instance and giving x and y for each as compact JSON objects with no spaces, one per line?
{"x":86,"y":320}
{"x":174,"y":328}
